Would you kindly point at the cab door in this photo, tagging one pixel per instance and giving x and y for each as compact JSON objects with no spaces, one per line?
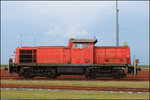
{"x":77,"y":53}
{"x":82,"y":53}
{"x":88,"y":53}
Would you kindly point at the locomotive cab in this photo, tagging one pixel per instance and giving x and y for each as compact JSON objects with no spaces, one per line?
{"x":82,"y":50}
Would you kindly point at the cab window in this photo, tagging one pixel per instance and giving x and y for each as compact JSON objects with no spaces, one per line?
{"x":78,"y":45}
{"x":86,"y":45}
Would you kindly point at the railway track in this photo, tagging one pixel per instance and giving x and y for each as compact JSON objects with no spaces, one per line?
{"x":73,"y":78}
{"x":116,"y":89}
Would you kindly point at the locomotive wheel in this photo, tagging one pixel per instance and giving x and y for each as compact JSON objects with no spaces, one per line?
{"x":52,"y":74}
{"x":118,"y":74}
{"x":27,"y":73}
{"x":28,"y":76}
{"x":92,"y":77}
{"x":91,"y":73}
{"x":21,"y":72}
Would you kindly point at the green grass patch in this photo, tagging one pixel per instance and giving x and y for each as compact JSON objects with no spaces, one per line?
{"x":121,"y":84}
{"x":28,"y":94}
{"x":4,"y":66}
{"x":144,"y":66}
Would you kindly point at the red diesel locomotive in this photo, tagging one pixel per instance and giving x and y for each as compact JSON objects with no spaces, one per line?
{"x":80,"y":57}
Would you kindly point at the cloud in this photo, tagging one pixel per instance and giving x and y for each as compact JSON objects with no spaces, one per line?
{"x":69,"y":32}
{"x":55,"y":32}
{"x":72,"y":32}
{"x":72,"y":19}
{"x":83,"y":33}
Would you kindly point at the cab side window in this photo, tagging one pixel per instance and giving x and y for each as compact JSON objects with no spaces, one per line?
{"x":78,"y":45}
{"x":86,"y":45}
{"x":75,"y":45}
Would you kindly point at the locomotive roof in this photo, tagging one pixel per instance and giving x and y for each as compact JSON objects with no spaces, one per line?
{"x":83,"y":40}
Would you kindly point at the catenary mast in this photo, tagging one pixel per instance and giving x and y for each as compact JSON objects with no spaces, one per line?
{"x":117,"y":24}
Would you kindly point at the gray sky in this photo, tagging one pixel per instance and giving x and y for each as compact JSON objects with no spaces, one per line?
{"x":53,"y":23}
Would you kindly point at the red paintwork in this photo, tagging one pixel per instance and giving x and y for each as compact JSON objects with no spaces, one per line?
{"x":69,"y":54}
{"x":112,"y":55}
{"x":53,"y":55}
